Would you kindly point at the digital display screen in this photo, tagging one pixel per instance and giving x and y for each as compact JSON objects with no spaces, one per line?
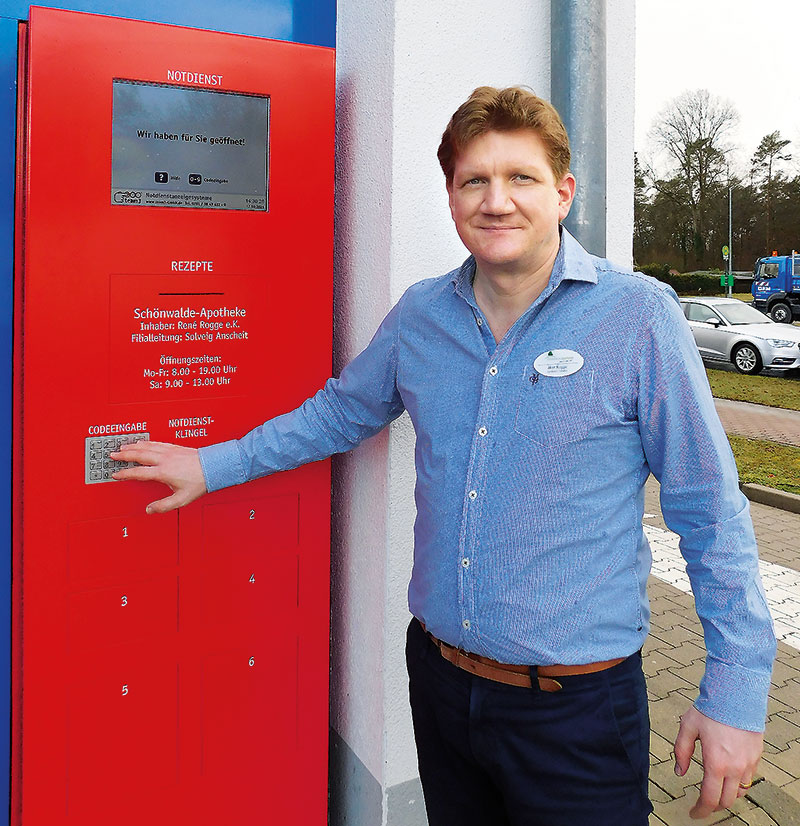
{"x":174,"y":146}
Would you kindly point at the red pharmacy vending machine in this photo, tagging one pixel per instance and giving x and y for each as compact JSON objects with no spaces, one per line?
{"x":175,"y":235}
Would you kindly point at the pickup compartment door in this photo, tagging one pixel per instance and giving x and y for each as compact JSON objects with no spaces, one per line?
{"x":766,"y":280}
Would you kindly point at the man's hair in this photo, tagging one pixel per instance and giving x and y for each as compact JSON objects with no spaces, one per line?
{"x":503,"y":110}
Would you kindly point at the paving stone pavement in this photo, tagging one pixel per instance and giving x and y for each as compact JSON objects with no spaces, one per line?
{"x":674,"y":657}
{"x":782,"y":585}
{"x":757,"y":421}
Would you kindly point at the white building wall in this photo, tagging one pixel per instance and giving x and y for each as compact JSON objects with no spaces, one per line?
{"x":443,"y":50}
{"x":362,"y":296}
{"x":402,"y":69}
{"x":620,"y":45}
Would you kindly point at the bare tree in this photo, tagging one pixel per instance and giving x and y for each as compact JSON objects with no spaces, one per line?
{"x":691,"y":130}
{"x":766,"y":176}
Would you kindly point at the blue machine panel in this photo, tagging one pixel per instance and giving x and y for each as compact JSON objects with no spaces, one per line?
{"x":300,"y":21}
{"x":8,"y":107}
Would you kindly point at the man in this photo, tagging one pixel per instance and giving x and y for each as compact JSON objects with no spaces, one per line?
{"x":544,"y":386}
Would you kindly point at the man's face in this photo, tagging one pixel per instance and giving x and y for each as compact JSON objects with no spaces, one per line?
{"x":505,"y":201}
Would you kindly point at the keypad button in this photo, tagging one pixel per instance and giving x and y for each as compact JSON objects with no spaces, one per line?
{"x":97,"y":459}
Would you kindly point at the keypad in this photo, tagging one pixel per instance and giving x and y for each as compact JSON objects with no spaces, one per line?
{"x":99,"y":464}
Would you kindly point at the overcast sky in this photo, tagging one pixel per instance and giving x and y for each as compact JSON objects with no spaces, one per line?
{"x":747,"y":51}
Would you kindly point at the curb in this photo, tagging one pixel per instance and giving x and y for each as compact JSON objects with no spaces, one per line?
{"x":771,"y":496}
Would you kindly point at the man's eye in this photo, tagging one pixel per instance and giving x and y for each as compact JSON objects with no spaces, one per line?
{"x":522,"y":177}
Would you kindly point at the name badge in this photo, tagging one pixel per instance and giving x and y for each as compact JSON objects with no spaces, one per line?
{"x":558,"y":363}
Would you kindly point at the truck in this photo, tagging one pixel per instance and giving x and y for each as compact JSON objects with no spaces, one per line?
{"x":776,"y":287}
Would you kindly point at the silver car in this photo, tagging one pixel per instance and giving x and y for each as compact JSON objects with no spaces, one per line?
{"x":730,"y":330}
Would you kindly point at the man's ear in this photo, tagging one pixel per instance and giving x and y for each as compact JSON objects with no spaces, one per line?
{"x":566,"y":194}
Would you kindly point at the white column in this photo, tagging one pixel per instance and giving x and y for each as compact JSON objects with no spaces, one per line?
{"x":620,"y":46}
{"x":402,"y":69}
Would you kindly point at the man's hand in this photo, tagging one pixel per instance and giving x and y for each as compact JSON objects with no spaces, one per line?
{"x":730,"y":757}
{"x":173,"y":465}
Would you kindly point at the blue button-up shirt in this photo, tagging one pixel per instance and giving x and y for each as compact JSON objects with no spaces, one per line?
{"x":528,"y":541}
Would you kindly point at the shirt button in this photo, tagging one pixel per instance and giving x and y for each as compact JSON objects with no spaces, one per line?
{"x":465,"y":563}
{"x":480,"y":322}
{"x":473,"y":494}
{"x":466,"y":624}
{"x":482,"y":431}
{"x":493,"y":370}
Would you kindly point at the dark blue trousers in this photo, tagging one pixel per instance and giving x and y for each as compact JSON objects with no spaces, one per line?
{"x":499,"y":755}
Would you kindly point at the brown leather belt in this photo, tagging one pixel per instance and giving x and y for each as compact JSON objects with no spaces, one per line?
{"x":519,"y":675}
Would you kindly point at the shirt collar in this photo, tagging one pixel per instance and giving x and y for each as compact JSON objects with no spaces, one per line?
{"x":572,"y":263}
{"x":576,"y":264}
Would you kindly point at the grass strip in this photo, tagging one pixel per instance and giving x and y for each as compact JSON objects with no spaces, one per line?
{"x":761,"y":462}
{"x":769,"y":390}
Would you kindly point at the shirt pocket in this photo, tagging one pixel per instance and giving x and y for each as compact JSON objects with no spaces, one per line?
{"x":555,"y":410}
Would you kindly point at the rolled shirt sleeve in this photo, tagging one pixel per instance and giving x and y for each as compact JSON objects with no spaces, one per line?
{"x":347,"y":410}
{"x":688,"y":452}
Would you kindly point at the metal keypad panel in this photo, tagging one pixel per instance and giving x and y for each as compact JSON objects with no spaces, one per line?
{"x":99,"y":464}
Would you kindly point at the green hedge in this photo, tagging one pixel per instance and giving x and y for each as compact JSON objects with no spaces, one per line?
{"x":686,"y":283}
{"x":659,"y":271}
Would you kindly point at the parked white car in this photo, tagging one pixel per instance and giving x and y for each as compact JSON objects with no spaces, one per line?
{"x":727,"y":329}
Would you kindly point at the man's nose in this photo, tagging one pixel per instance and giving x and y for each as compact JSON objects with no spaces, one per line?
{"x":497,"y":200}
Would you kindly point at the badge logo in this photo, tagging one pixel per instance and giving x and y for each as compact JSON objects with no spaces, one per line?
{"x":558,"y":363}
